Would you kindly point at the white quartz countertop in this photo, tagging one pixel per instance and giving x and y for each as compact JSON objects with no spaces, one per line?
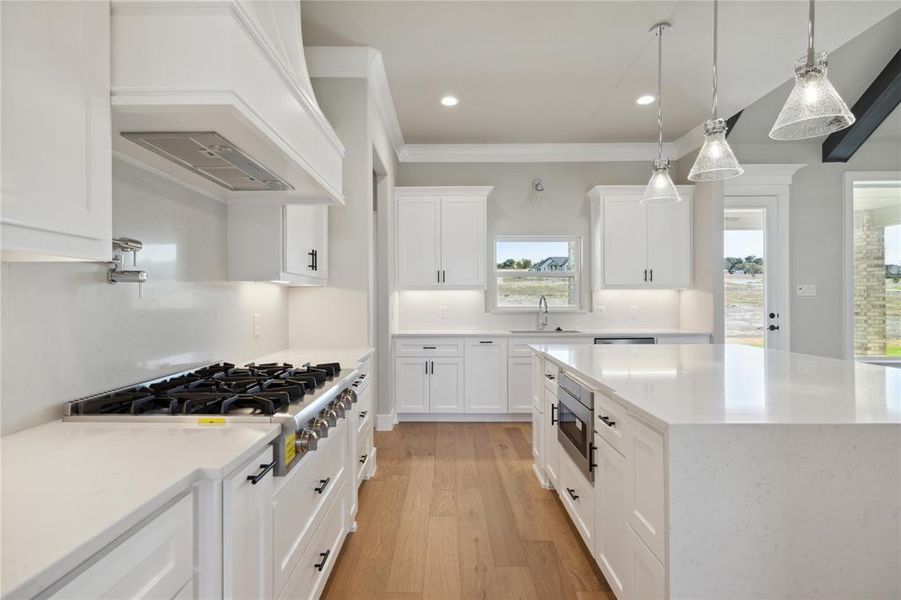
{"x":69,"y":489}
{"x":550,"y":334}
{"x":348,"y":357}
{"x":720,"y":384}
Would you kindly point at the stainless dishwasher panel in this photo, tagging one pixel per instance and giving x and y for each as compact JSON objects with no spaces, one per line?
{"x":625,"y":340}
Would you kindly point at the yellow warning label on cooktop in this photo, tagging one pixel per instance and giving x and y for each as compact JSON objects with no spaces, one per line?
{"x":289,"y":448}
{"x":211,"y":421}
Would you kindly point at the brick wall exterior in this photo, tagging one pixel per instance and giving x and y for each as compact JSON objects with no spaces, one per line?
{"x":869,"y":286}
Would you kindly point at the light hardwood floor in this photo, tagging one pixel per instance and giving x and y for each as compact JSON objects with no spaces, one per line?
{"x":455,"y":511}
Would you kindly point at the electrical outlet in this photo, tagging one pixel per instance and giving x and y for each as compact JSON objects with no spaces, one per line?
{"x":257,"y":324}
{"x":806,"y":289}
{"x":600,"y":311}
{"x":633,"y":311}
{"x":442,"y":312}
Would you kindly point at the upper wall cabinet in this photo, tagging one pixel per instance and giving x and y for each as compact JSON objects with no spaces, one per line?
{"x":287,"y":244}
{"x":56,"y":175}
{"x":182,"y":71}
{"x":441,"y":237}
{"x":638,"y":245}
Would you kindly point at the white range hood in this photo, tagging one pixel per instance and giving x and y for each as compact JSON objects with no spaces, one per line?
{"x":216,"y":94}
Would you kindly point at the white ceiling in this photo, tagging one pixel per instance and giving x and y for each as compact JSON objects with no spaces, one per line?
{"x":560,"y":71}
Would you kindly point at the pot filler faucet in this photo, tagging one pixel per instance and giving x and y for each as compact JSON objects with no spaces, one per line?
{"x":541,"y":316}
{"x":116,"y":272}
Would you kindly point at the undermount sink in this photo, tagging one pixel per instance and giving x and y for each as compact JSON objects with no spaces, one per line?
{"x":546,"y":331}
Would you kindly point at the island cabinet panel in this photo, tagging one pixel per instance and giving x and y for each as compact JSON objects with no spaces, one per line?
{"x":613,"y":538}
{"x":646,"y":498}
{"x":647,"y":579}
{"x":157,"y":561}
{"x":247,"y":530}
{"x":551,"y":444}
{"x":577,"y":495}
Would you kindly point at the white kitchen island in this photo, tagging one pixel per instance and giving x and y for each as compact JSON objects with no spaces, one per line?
{"x":733,"y":472}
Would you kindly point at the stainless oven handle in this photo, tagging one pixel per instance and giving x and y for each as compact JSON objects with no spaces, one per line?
{"x":591,"y":464}
{"x":554,"y":419}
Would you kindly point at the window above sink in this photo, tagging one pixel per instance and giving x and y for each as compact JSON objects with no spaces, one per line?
{"x":529,"y":267}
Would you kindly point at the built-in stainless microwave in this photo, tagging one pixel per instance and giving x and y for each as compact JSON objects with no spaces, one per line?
{"x":575,"y":422}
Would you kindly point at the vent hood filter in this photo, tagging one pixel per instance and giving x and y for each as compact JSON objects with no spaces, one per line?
{"x":211,"y":156}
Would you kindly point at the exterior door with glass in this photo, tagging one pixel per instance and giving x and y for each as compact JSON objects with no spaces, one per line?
{"x":754,"y":264}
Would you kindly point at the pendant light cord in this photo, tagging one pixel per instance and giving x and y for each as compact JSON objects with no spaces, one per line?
{"x":810,"y":21}
{"x":659,"y":99}
{"x":715,"y":22}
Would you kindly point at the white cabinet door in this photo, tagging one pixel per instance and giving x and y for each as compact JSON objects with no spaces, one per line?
{"x":551,"y":445}
{"x":446,"y":384}
{"x":612,"y":544}
{"x":463,"y":241}
{"x":520,"y":380}
{"x":56,"y":148}
{"x":155,"y":562}
{"x":418,"y":241}
{"x":306,"y":240}
{"x":411,"y":384}
{"x":537,"y":385}
{"x":647,"y":580}
{"x":247,"y":542}
{"x":486,"y":375}
{"x":669,"y":244}
{"x":625,"y":241}
{"x":646,"y":501}
{"x":538,"y":443}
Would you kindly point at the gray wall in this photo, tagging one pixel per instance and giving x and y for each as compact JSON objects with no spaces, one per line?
{"x":67,"y":333}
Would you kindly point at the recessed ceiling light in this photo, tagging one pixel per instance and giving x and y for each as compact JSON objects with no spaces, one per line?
{"x":645,"y":100}
{"x":449,"y":101}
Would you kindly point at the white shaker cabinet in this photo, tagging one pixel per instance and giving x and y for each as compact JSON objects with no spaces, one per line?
{"x":612,"y":543}
{"x":287,"y":244}
{"x":520,"y":384}
{"x":247,"y":543}
{"x":429,"y":384}
{"x":441,"y":237}
{"x":486,"y":376}
{"x":638,"y":245}
{"x":56,"y":148}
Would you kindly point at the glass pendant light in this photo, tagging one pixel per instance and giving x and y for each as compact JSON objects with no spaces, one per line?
{"x":715,"y":161}
{"x":813,"y":107}
{"x":660,"y":188}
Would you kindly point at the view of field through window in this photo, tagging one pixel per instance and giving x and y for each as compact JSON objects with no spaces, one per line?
{"x":877,"y":269}
{"x":744,"y":277}
{"x":530,"y":268}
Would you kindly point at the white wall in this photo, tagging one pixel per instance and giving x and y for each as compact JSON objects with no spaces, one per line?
{"x":67,"y":333}
{"x":564,"y":209}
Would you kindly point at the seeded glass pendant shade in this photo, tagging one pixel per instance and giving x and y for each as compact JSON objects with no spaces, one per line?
{"x":715,"y":161}
{"x":813,"y":107}
{"x":660,"y":188}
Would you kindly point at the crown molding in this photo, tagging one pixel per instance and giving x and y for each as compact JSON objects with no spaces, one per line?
{"x":529,"y":153}
{"x":765,"y":174}
{"x":359,"y":62}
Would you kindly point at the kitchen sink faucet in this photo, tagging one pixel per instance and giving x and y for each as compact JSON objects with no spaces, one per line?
{"x":541,"y":316}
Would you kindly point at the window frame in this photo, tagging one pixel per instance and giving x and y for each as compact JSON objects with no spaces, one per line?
{"x":576,"y":274}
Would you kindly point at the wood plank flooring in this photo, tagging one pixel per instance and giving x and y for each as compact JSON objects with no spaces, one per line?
{"x":455,"y":512}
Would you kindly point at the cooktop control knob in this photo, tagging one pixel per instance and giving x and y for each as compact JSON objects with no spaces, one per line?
{"x":329,"y":416}
{"x":306,"y":441}
{"x":337,"y":406}
{"x":321,"y":426}
{"x":351,"y":394}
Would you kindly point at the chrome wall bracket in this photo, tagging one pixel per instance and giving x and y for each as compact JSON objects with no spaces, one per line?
{"x":117,"y":272}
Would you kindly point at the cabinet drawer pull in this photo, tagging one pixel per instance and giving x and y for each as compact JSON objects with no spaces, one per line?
{"x":321,"y":565}
{"x":607,"y":421}
{"x":323,"y":483}
{"x":363,"y":458}
{"x":363,"y":414}
{"x":255,"y":479}
{"x":549,"y":376}
{"x":428,"y":348}
{"x":572,"y":493}
{"x":486,"y":342}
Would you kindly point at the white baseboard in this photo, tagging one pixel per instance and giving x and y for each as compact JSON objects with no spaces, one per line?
{"x":464,"y":417}
{"x":541,"y":478}
{"x":385,"y":422}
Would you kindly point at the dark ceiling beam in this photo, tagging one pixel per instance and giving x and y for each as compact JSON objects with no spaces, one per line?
{"x":876,"y":103}
{"x":731,"y":121}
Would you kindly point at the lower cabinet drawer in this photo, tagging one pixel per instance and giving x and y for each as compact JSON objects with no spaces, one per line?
{"x":610,"y":422}
{"x":364,"y":450}
{"x":318,"y":557}
{"x":297,"y":508}
{"x":363,"y":408}
{"x":577,"y":495}
{"x":157,"y":561}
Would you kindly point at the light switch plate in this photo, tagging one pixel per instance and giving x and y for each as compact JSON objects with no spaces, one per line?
{"x":257,"y":324}
{"x":633,"y":311}
{"x":442,"y":312}
{"x":805,"y":289}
